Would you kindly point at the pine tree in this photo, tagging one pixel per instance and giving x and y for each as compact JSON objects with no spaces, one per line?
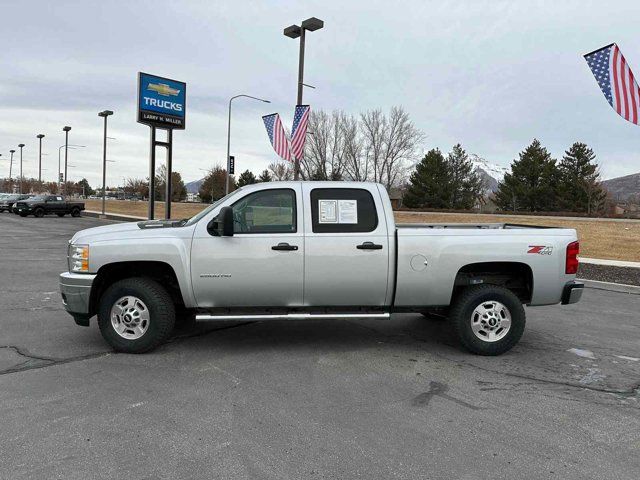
{"x":466,"y":183}
{"x":429,"y":185}
{"x":265,"y":176}
{"x":532,"y":184}
{"x":579,"y":188}
{"x":212,"y":187}
{"x":246,"y":178}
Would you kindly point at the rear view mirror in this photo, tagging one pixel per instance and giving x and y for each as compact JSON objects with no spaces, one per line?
{"x":222,"y":225}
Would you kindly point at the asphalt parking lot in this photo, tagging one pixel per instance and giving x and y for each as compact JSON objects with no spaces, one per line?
{"x":309,"y":399}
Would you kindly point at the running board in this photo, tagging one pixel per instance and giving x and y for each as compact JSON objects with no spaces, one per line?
{"x":296,"y":316}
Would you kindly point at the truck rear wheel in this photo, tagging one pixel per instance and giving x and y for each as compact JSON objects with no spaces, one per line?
{"x":488,"y":319}
{"x":136,"y":315}
{"x":39,"y":212}
{"x":75,"y":212}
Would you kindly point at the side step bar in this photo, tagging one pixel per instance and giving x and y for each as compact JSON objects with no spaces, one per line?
{"x":296,"y":316}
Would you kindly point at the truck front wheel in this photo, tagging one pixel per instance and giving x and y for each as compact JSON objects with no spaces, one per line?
{"x":488,"y":319}
{"x":136,"y":315}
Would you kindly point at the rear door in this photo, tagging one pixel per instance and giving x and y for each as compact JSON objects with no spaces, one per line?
{"x":346,"y":247}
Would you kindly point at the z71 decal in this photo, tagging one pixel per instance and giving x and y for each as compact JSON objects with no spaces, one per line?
{"x":540,"y":249}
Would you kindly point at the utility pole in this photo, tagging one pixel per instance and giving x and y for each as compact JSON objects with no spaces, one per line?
{"x":21,"y":146}
{"x":11,"y":162}
{"x":104,"y":114}
{"x":66,"y":155}
{"x":40,"y":137}
{"x":294,"y":31}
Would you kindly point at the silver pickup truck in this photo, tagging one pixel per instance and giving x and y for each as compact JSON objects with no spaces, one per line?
{"x":314,"y":250}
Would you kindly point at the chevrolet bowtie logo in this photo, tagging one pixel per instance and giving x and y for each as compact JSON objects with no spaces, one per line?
{"x":163,"y":89}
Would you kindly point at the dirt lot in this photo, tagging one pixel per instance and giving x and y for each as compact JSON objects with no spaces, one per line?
{"x":617,"y":240}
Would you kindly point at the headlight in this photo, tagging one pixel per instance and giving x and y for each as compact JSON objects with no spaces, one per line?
{"x":78,"y":258}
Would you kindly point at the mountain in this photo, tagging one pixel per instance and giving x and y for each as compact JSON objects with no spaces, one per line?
{"x":623,"y":188}
{"x":194,"y":187}
{"x":490,"y":173}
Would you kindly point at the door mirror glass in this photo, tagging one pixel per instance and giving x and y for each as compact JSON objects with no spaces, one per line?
{"x":222,"y":225}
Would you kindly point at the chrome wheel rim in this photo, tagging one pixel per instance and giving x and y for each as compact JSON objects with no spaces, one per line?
{"x":130,"y":317}
{"x":490,"y":321}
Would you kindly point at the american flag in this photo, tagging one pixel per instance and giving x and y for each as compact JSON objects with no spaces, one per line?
{"x":277,"y":135}
{"x":299,"y":130}
{"x":616,"y":81}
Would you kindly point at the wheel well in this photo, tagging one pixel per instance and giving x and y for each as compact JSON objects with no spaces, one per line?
{"x":161,"y":272}
{"x":515,"y":276}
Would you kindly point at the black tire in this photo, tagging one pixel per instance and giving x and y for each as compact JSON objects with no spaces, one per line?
{"x":461,"y":318}
{"x":39,"y":212}
{"x":22,"y":214}
{"x":60,"y":214}
{"x":162,"y":314}
{"x":75,"y":212}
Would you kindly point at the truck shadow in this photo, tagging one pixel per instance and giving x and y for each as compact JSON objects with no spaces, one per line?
{"x":326,"y":334}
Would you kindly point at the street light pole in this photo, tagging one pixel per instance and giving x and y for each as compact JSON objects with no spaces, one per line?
{"x":294,"y":31}
{"x":40,"y":137}
{"x":104,"y":114}
{"x":226,"y":182}
{"x":21,"y":146}
{"x":66,"y":155}
{"x":11,"y":163}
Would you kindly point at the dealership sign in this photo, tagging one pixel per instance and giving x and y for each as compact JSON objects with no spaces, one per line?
{"x":161,"y":102}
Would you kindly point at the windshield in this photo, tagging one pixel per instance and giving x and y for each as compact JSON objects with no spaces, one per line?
{"x":38,"y":198}
{"x":196,"y":218}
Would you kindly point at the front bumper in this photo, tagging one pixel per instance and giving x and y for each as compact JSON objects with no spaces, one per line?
{"x":76,"y":291}
{"x":572,"y":292}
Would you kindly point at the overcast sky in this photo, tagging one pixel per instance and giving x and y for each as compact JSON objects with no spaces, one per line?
{"x":491,"y":75}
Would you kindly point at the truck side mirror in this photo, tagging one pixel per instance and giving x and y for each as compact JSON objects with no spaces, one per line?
{"x":222,"y":225}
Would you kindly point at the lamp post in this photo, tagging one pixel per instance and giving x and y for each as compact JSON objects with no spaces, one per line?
{"x":40,"y":136}
{"x":21,"y":146}
{"x":66,"y":152}
{"x":11,"y":163}
{"x":226,"y":182}
{"x":294,"y":31}
{"x":71,"y":146}
{"x":104,"y":114}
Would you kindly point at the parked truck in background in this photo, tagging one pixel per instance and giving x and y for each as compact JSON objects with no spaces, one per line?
{"x":314,"y":250}
{"x":42,"y":205}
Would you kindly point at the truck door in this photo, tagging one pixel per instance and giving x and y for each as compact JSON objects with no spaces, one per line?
{"x":346,"y":247}
{"x":54,"y":204}
{"x":261,"y":265}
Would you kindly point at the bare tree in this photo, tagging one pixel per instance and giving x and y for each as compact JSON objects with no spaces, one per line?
{"x":356,"y":165}
{"x":280,"y":171}
{"x":324,"y":149}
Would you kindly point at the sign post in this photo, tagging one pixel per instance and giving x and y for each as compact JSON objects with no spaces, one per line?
{"x":161,"y":105}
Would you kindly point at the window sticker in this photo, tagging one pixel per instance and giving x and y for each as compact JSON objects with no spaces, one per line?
{"x":347,"y":211}
{"x":328,"y":211}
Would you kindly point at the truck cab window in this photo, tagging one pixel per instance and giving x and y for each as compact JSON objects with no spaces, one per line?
{"x":342,"y":210}
{"x":266,"y":211}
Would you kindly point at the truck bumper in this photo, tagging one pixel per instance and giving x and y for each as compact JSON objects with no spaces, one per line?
{"x":572,"y":292}
{"x":76,"y":291}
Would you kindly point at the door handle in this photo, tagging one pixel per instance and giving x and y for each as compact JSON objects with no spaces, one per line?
{"x":369,"y":246}
{"x":284,"y":246}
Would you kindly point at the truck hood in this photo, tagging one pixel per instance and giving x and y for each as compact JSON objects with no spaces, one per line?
{"x":146,"y":229}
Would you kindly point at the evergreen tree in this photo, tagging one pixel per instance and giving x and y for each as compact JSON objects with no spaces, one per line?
{"x":212,"y":187}
{"x":579,"y":188}
{"x":429,"y":184}
{"x":531,"y":185}
{"x":178,"y":189}
{"x":465,"y":183}
{"x":265,"y":176}
{"x":85,"y":188}
{"x":246,"y":178}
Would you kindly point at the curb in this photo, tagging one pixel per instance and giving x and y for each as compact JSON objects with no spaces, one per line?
{"x":609,"y":263}
{"x":113,"y":216}
{"x":611,"y":287}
